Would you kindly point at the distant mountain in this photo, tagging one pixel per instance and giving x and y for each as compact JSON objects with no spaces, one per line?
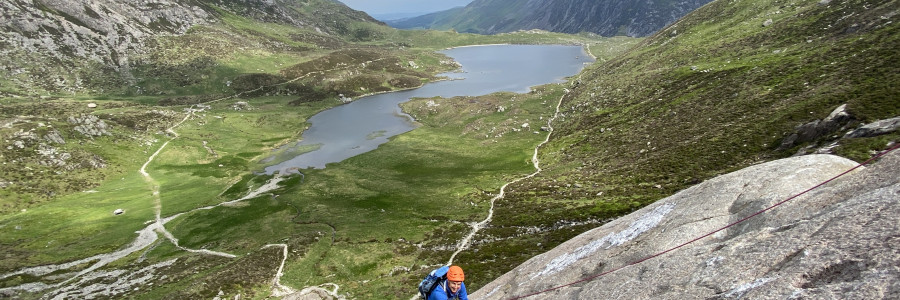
{"x":603,"y":17}
{"x":397,"y":16}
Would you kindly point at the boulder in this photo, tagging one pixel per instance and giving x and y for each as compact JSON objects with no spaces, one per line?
{"x":838,"y":241}
{"x":54,"y":137}
{"x":875,"y":128}
{"x":819,"y":128}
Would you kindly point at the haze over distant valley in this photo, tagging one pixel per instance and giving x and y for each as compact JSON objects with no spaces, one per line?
{"x":603,"y":17}
{"x":399,"y":9}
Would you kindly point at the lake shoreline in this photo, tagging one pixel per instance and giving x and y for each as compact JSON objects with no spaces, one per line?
{"x":487,"y":68}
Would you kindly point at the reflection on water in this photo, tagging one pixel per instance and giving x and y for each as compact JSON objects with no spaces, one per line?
{"x":360,"y":126}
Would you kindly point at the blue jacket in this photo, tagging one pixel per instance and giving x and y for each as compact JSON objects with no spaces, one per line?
{"x":441,"y":292}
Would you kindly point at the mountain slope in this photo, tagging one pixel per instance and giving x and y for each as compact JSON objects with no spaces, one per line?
{"x":607,"y":17}
{"x":75,"y":43}
{"x":724,"y":88}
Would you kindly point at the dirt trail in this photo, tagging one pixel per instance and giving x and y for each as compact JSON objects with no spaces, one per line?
{"x":154,"y":186}
{"x":279,"y":290}
{"x":316,"y":292}
{"x":150,"y":234}
{"x":464,"y":243}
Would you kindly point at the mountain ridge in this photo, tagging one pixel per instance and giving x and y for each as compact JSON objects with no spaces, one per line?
{"x":606,"y":18}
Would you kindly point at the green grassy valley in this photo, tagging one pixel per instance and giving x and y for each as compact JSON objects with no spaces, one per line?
{"x":184,"y":135}
{"x":203,"y":111}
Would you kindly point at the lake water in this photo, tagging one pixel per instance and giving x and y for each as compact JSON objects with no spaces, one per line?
{"x":360,"y":126}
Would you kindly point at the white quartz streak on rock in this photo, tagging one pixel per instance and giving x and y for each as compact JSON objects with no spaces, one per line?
{"x":639,"y":226}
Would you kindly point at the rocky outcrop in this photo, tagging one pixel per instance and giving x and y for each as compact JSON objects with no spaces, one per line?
{"x":875,"y":128}
{"x":45,"y":43}
{"x":89,"y":125}
{"x":606,"y":17}
{"x":838,"y":241}
{"x":819,"y":128}
{"x":98,"y":30}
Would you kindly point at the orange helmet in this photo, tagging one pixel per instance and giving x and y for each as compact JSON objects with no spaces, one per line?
{"x":455,"y":274}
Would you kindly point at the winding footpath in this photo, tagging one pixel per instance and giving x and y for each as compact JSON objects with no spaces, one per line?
{"x":150,"y":235}
{"x":465,"y":242}
{"x":279,"y":290}
{"x":157,"y":201}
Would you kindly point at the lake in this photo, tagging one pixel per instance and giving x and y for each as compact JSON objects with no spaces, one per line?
{"x":360,"y":126}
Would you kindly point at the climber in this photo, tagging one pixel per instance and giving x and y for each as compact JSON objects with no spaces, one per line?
{"x":452,"y":287}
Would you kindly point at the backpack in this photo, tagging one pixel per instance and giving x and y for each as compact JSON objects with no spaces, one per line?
{"x":431,"y":281}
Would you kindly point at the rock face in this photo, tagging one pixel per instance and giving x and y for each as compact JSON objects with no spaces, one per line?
{"x":604,"y":17}
{"x":46,"y":41}
{"x":98,"y":30}
{"x":836,"y":242}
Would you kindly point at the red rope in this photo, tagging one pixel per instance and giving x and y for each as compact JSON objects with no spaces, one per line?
{"x":711,"y":233}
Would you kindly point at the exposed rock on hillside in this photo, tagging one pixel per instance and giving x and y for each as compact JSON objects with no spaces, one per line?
{"x":819,"y":128}
{"x":836,"y":242}
{"x":42,"y":41}
{"x":71,"y":46}
{"x":875,"y":128}
{"x":97,"y":30}
{"x":89,"y":125}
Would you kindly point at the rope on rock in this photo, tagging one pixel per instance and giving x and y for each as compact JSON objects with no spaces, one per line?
{"x":710,"y":233}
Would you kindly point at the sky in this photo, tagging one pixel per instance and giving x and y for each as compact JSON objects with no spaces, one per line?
{"x":386,"y":7}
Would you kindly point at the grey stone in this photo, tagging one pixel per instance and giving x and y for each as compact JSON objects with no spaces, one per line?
{"x":89,"y":125}
{"x":836,"y":242}
{"x":875,"y":128}
{"x":54,"y":137}
{"x":819,"y":128}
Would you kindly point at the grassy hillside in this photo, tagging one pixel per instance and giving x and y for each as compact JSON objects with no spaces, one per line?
{"x":718,"y":91}
{"x":216,"y":100}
